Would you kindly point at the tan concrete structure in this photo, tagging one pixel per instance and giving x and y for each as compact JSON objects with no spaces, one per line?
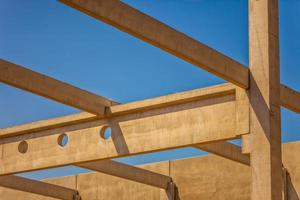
{"x":206,"y":177}
{"x":248,"y":107}
{"x":265,"y":113}
{"x":139,"y":127}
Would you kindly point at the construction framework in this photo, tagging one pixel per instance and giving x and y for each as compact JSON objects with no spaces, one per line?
{"x":247,"y":108}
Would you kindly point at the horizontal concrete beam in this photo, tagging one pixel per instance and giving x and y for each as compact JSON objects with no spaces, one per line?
{"x":290,"y":98}
{"x":148,"y":29}
{"x":50,"y":88}
{"x":226,"y":150}
{"x":183,"y":119}
{"x":38,"y":187}
{"x":129,"y":172}
{"x":140,"y":25}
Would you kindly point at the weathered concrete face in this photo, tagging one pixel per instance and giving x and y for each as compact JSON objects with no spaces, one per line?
{"x":7,"y":194}
{"x":211,"y":177}
{"x":291,"y":160}
{"x":207,"y":177}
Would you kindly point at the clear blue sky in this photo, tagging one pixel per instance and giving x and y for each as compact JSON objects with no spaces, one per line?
{"x":51,"y":38}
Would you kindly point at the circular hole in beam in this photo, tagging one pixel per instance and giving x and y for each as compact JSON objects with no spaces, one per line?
{"x":105,"y":132}
{"x":62,"y":140}
{"x":23,"y":147}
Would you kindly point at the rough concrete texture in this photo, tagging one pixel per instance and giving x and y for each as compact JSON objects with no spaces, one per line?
{"x":206,"y":177}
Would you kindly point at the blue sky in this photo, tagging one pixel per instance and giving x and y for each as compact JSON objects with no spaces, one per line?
{"x":51,"y":38}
